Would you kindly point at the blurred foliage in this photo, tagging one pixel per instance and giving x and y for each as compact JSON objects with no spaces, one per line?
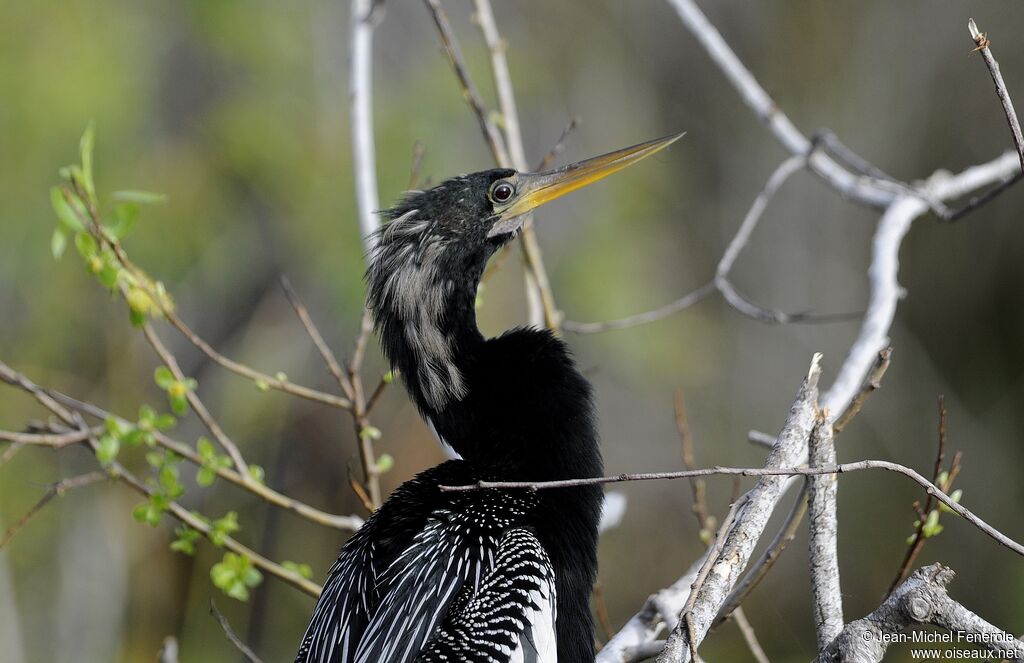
{"x":237,"y":113}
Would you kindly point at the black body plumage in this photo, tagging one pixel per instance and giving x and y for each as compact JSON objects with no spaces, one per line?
{"x":479,"y":575}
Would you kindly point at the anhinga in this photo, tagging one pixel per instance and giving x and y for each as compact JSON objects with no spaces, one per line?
{"x":485,"y":575}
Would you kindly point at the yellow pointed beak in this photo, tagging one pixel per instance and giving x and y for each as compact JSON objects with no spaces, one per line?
{"x":535,"y":189}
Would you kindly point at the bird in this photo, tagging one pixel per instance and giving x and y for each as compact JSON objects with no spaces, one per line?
{"x":489,"y":575}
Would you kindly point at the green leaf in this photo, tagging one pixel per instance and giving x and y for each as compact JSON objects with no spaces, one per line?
{"x":169,"y":483}
{"x":205,"y":476}
{"x":281,"y":376}
{"x":137,"y":319}
{"x":186,"y":541}
{"x":179,"y":404}
{"x":140,"y":197}
{"x":123,"y":220}
{"x":221,"y":528}
{"x":108,"y":274}
{"x":262,"y":385}
{"x":304,"y":570}
{"x":256,"y":473}
{"x":165,"y":422}
{"x":955,"y":496}
{"x":58,"y":243}
{"x":163,"y":376}
{"x":370,"y":433}
{"x":107,"y":448}
{"x":235,"y":575}
{"x":86,"y":245}
{"x":385,"y":462}
{"x":68,"y":219}
{"x":206,"y":449}
{"x":85,"y":147}
{"x":931,"y":525}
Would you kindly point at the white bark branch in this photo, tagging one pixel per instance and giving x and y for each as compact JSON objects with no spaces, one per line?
{"x":823,"y":525}
{"x":360,"y":96}
{"x":790,"y":451}
{"x":921,"y":599}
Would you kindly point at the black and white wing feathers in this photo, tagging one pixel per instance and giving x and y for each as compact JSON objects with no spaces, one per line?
{"x":421,"y":583}
{"x":510,"y":617}
{"x":344,"y":609}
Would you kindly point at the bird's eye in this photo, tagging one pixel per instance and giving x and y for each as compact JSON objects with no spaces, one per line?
{"x":501,"y":192}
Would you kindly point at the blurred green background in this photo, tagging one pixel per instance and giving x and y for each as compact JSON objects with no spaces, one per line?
{"x":237,"y":111}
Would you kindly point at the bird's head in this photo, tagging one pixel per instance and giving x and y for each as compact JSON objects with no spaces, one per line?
{"x":427,"y":260}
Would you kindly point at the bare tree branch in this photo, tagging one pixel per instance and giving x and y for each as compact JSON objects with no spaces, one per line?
{"x":318,"y":340}
{"x":922,"y":599}
{"x":541,"y":300}
{"x":58,"y":489}
{"x":362,"y":22}
{"x":345,"y":523}
{"x":983,"y":42}
{"x":749,"y":636}
{"x":824,"y":531}
{"x":225,"y":626}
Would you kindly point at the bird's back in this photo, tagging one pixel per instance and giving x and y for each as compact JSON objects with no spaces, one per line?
{"x":438,"y":576}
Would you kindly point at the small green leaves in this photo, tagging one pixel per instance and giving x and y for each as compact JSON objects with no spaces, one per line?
{"x":281,"y":376}
{"x":69,"y":220}
{"x":87,"y":246}
{"x":235,"y":575}
{"x":370,"y":433}
{"x":177,"y":390}
{"x":150,"y":512}
{"x":166,"y":487}
{"x":256,"y":473}
{"x":384,"y":463}
{"x":163,"y":377}
{"x":955,"y":496}
{"x":58,"y":242}
{"x":85,"y":148}
{"x":931,"y":525}
{"x":186,"y":540}
{"x":122,"y":221}
{"x":262,"y":385}
{"x":223,"y":527}
{"x":389,"y":377}
{"x":107,"y":448}
{"x":304,"y":570}
{"x":140,"y":197}
{"x":212,"y":462}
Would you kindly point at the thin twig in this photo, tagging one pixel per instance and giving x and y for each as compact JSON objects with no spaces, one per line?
{"x":749,"y":636}
{"x":871,"y":385}
{"x":469,"y":91}
{"x":540,"y":298}
{"x":360,"y":419}
{"x":195,"y":402}
{"x":258,"y":377}
{"x":684,"y":302}
{"x":983,"y":42}
{"x":718,"y":470}
{"x":54,"y":440}
{"x":318,"y":340}
{"x":56,"y":490}
{"x":917,"y":539}
{"x":345,"y":523}
{"x":118,"y":471}
{"x":225,"y":626}
{"x":702,"y":576}
{"x":705,"y":522}
{"x":559,"y":145}
{"x":760,"y":568}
